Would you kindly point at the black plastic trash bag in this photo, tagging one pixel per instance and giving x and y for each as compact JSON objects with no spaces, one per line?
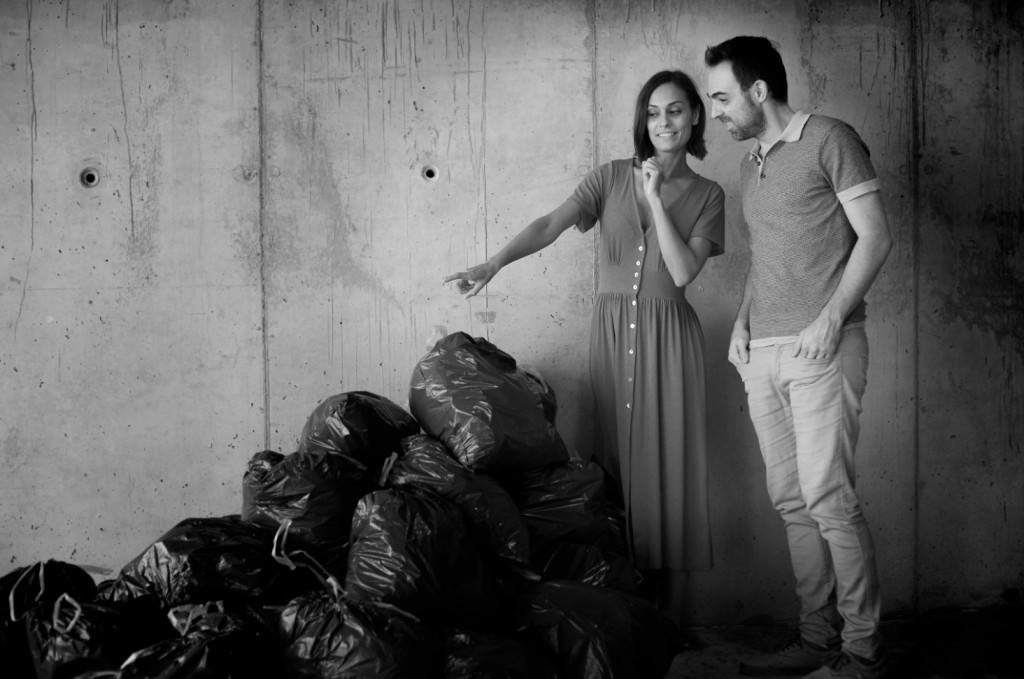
{"x":492,"y":514}
{"x":599,"y":633}
{"x":360,"y":426}
{"x":42,"y":583}
{"x":317,"y":492}
{"x":567,"y":503}
{"x":590,"y":565}
{"x":14,"y":654}
{"x":73,"y":637}
{"x":342,"y":451}
{"x":216,"y":639}
{"x":495,"y":417}
{"x":206,"y":559}
{"x":329,"y":638}
{"x":482,"y":655}
{"x":410,"y":549}
{"x":27,"y":588}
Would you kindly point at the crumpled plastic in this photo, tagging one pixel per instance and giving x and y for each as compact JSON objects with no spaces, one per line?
{"x":77,"y":636}
{"x":41,"y":584}
{"x":410,"y":550}
{"x":360,"y":426}
{"x":217,"y":639}
{"x":590,"y":565}
{"x":205,"y":559}
{"x":495,"y":417}
{"x":331,"y":638}
{"x":599,"y":633}
{"x":567,"y":503}
{"x":344,"y":445}
{"x":492,"y":513}
{"x":316,"y":492}
{"x":35,"y":587}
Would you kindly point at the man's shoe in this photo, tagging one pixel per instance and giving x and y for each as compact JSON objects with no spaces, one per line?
{"x":849,"y":666}
{"x":797,"y":658}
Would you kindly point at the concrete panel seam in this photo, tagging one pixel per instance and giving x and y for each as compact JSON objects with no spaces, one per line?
{"x":261,"y":223}
{"x":917,"y":134}
{"x":33,"y":121}
{"x":124,"y":121}
{"x":592,"y":27}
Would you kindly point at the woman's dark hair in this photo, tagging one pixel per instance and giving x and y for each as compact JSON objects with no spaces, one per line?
{"x":752,"y":59}
{"x":641,"y":139}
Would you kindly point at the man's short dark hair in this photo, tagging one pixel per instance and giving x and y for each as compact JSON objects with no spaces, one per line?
{"x":642,"y":145}
{"x":752,"y":58}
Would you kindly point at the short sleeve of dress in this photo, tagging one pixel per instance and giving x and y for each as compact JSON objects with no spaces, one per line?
{"x":589,"y":196}
{"x":711,"y":222}
{"x":846,"y":162}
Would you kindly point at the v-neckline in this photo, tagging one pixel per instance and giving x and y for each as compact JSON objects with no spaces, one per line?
{"x":643,"y":210}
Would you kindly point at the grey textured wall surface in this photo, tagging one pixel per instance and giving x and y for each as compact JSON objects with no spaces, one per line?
{"x":283,"y":186}
{"x":969,"y":220}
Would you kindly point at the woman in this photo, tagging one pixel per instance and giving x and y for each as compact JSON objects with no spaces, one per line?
{"x":660,"y":221}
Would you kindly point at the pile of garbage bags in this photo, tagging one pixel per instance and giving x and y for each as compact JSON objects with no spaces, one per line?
{"x":459,"y":539}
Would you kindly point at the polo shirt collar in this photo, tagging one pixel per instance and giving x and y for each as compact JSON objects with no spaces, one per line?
{"x":792,"y":133}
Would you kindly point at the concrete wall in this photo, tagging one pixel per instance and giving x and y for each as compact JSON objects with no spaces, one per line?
{"x":283,"y":186}
{"x":969,"y":224}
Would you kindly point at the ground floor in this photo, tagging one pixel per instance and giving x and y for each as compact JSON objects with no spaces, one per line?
{"x":985,"y":643}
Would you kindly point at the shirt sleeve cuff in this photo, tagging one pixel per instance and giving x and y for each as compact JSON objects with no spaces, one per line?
{"x":857,"y":191}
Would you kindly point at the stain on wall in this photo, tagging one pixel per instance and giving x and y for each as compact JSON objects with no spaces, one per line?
{"x":130,"y":356}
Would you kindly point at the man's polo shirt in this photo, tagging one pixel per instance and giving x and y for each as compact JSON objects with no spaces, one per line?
{"x":800,"y":238}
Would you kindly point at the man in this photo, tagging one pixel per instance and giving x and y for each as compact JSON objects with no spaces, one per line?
{"x":818,"y":237}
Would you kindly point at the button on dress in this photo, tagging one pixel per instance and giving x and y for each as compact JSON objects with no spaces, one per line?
{"x":647,"y":363}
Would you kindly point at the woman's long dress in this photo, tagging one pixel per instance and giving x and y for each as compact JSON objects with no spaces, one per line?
{"x":647,"y":363}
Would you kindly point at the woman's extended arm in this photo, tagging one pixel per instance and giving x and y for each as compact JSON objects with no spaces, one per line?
{"x":537,"y":235}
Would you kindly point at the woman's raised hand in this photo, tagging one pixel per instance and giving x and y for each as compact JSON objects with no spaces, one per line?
{"x":473,"y":279}
{"x":651,"y":173}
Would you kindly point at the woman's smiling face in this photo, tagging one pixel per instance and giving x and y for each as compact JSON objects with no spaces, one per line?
{"x":670,"y":119}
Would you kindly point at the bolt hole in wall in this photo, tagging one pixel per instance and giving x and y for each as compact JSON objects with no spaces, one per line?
{"x":89,"y":177}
